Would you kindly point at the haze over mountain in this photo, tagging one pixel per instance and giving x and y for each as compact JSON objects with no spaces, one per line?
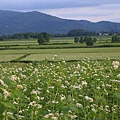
{"x":12,"y":22}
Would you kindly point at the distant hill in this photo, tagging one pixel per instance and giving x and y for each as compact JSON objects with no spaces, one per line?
{"x":12,"y":22}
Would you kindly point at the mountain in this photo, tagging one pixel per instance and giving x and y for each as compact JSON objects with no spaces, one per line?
{"x":12,"y":22}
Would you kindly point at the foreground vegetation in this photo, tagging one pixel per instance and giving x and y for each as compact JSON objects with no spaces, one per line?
{"x":85,"y":90}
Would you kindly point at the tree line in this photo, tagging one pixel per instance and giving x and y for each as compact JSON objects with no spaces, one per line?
{"x":88,"y":40}
{"x":20,"y":36}
{"x":44,"y":37}
{"x":115,"y":39}
{"x":78,"y":32}
{"x":27,"y":35}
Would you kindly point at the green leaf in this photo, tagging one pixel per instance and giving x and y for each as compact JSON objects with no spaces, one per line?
{"x":117,"y":95}
{"x":100,"y":100}
{"x":18,"y":93}
{"x":69,"y":99}
{"x":8,"y":82}
{"x":91,"y":114}
{"x":73,"y":107}
{"x":11,"y":117}
{"x":2,"y":108}
{"x":65,"y":109}
{"x":8,"y":105}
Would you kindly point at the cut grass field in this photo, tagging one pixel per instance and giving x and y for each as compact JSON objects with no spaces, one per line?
{"x":9,"y":57}
{"x":71,"y":56}
{"x":67,"y":54}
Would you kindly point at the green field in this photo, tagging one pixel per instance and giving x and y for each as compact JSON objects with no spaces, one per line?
{"x":67,"y":54}
{"x":64,"y":48}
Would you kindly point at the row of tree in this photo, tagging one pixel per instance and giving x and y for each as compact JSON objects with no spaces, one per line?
{"x":78,"y":32}
{"x":88,"y":40}
{"x":20,"y":36}
{"x":115,"y":39}
{"x":28,"y":35}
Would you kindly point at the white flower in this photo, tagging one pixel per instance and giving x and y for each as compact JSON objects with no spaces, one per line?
{"x":78,"y":66}
{"x":84,"y":83}
{"x":73,"y":116}
{"x":118,"y":75}
{"x":15,"y":78}
{"x":15,"y":103}
{"x":20,"y":86}
{"x":6,"y":93}
{"x":107,"y":108}
{"x":115,"y":64}
{"x":42,"y":98}
{"x":79,"y":105}
{"x":116,"y":81}
{"x":33,"y":103}
{"x":88,"y":99}
{"x":36,"y":70}
{"x":55,"y":56}
{"x":39,"y":106}
{"x":62,"y":97}
{"x":1,"y":81}
{"x":3,"y":84}
{"x":46,"y":116}
{"x":47,"y":91}
{"x":93,"y":109}
{"x":54,"y":118}
{"x":9,"y":113}
{"x":98,"y":88}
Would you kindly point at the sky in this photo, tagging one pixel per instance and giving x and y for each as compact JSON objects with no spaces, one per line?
{"x":92,"y":10}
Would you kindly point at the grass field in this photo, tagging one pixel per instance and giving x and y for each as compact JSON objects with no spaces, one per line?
{"x":67,"y":54}
{"x":29,"y":50}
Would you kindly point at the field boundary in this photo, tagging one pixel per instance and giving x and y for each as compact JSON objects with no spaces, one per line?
{"x":19,"y":58}
{"x":53,"y":47}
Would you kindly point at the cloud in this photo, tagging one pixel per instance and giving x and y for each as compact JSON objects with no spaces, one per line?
{"x":51,"y":4}
{"x":103,"y":12}
{"x":93,"y":10}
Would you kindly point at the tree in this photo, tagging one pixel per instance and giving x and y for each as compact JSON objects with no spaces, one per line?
{"x":79,"y":32}
{"x":41,"y":39}
{"x":94,"y":40}
{"x":81,"y":40}
{"x":115,"y":38}
{"x":46,"y":37}
{"x":1,"y":38}
{"x":89,"y":41}
{"x":76,"y":40}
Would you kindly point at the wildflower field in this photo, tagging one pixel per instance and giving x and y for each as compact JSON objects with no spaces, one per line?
{"x":84,"y":90}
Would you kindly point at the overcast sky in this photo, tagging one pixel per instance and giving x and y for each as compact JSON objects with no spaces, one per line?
{"x":92,"y":10}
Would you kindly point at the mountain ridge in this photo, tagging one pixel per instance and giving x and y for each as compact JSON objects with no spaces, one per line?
{"x":12,"y":22}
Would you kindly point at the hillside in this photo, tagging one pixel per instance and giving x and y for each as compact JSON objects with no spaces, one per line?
{"x":15,"y":22}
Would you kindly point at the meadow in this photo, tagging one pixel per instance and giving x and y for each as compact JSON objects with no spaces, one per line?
{"x":59,"y":81}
